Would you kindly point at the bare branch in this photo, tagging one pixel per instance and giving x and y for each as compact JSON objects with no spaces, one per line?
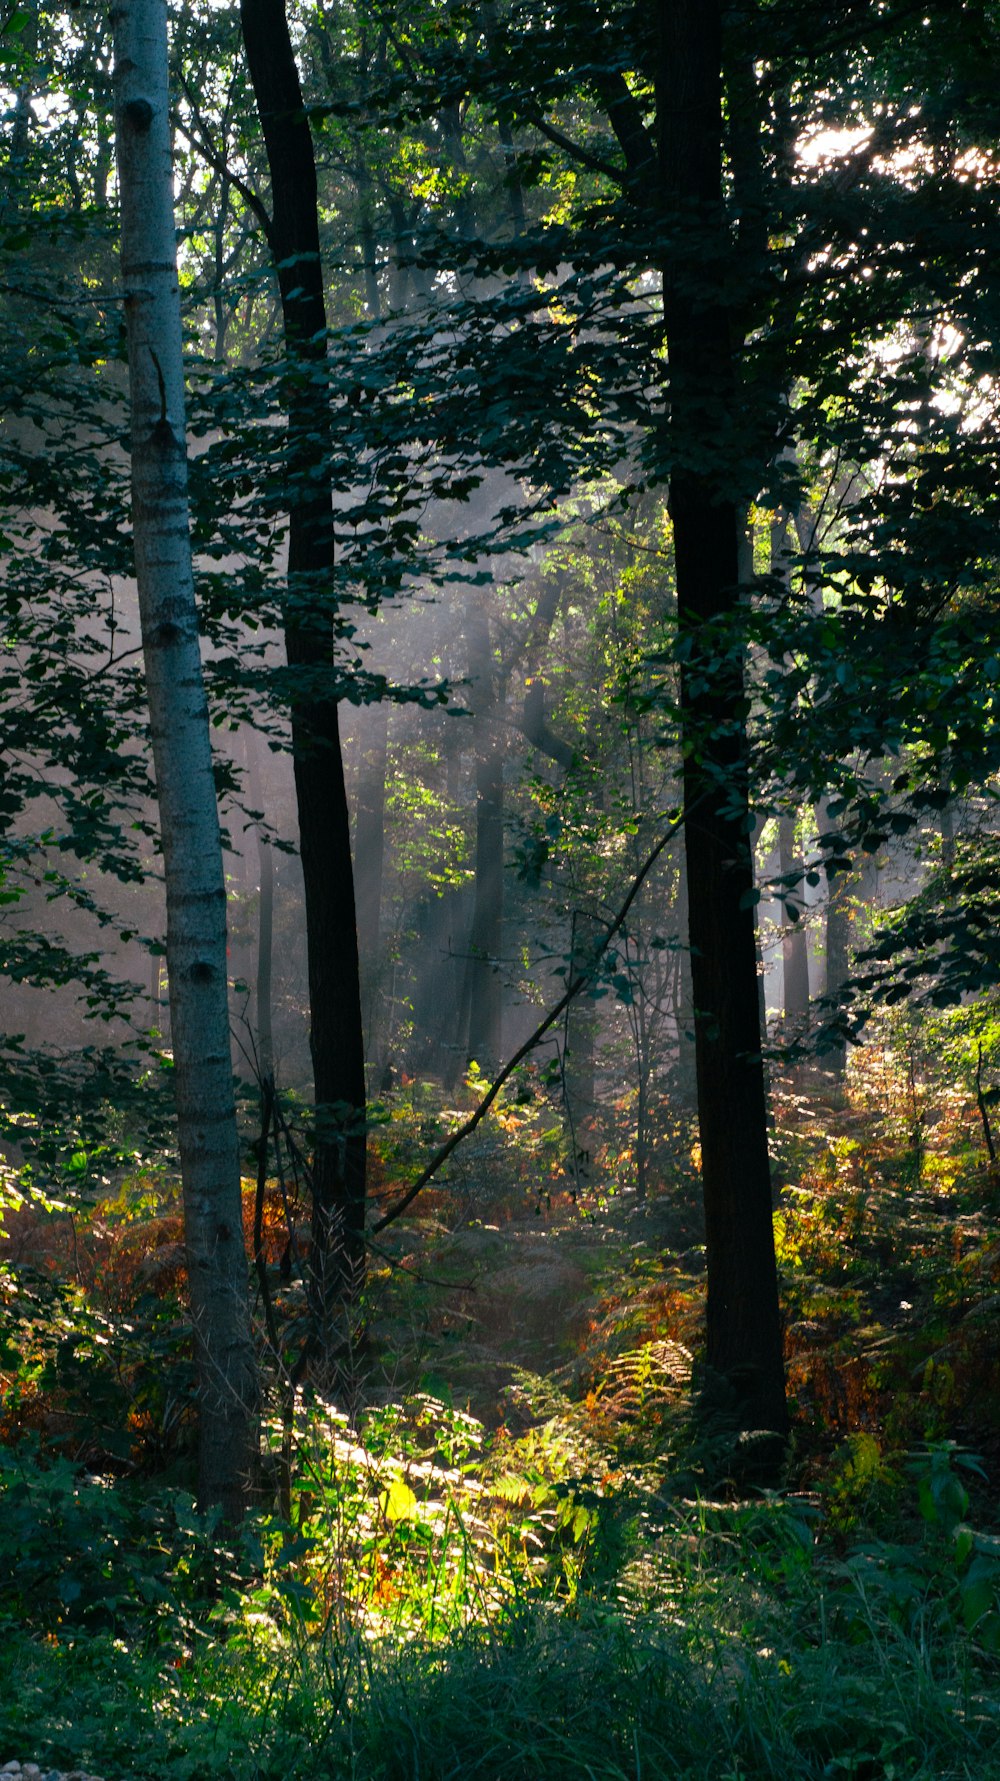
{"x":201,"y":140}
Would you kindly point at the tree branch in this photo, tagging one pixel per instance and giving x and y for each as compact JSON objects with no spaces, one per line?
{"x":625,"y":117}
{"x":573,"y":149}
{"x":201,"y":141}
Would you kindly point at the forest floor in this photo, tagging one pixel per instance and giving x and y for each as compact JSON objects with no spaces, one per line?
{"x":510,"y":1548}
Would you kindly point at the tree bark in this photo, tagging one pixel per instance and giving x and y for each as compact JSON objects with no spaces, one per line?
{"x":794,"y":953}
{"x":369,"y":874}
{"x":743,"y":1322}
{"x":182,"y":756}
{"x":369,"y":858}
{"x":791,"y":868}
{"x":337,"y":1239}
{"x":839,"y":902}
{"x":485,"y":1001}
{"x":263,"y":997}
{"x":580,"y":1049}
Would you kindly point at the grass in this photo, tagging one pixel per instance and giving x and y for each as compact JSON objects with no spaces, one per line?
{"x":686,"y":1639}
{"x":544,"y":1694}
{"x":564,"y":1588}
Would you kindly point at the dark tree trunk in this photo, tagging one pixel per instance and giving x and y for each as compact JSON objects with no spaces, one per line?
{"x":838,"y":934}
{"x":743,"y":1322}
{"x":337,"y":1245}
{"x":686,"y":1080}
{"x":265,"y":958}
{"x":265,"y":916}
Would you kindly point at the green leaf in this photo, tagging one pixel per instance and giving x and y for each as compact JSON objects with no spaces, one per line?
{"x":398,"y":1503}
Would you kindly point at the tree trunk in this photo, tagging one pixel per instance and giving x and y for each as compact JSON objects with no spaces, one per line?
{"x":839,"y":899}
{"x":686,"y":1077}
{"x":580,"y":1051}
{"x":485,"y":1001}
{"x":265,"y":916}
{"x":947,"y":817}
{"x":369,"y":863}
{"x":182,"y":756}
{"x":369,"y":828}
{"x":794,"y":952}
{"x":486,"y":934}
{"x":337,"y":1238}
{"x":791,"y":869}
{"x":743,"y":1321}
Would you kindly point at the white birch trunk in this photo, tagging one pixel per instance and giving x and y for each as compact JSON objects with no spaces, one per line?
{"x":179,"y":729}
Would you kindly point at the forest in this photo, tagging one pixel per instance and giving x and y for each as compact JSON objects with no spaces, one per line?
{"x":499,"y":949}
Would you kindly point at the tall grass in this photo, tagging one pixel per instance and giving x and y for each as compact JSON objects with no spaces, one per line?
{"x":475,"y":1624}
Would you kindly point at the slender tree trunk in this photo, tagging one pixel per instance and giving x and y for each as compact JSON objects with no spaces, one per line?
{"x":535,"y":722}
{"x":337,"y":1241}
{"x":179,"y":730}
{"x":218,"y":292}
{"x":486,"y":934}
{"x":263,"y":999}
{"x":838,"y":894}
{"x":791,"y":868}
{"x":369,"y":255}
{"x":643,"y":1061}
{"x":687,"y":1072}
{"x":369,"y":862}
{"x":794,"y":953}
{"x":369,"y":843}
{"x":839,"y":898}
{"x":838,"y":963}
{"x":743,"y":1321}
{"x":485,"y":1004}
{"x":264,"y":994}
{"x":580,"y":1051}
{"x":947,"y":817}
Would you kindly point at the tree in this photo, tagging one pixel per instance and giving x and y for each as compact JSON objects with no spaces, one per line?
{"x":337,"y":1246}
{"x":743,"y":1321}
{"x":182,"y":756}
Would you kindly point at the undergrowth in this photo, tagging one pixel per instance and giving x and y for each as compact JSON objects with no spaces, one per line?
{"x":448,"y":1605}
{"x":564,"y":1583}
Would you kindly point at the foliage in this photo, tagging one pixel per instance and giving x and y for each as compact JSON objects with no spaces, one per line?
{"x":720,"y":1638}
{"x":557,"y":1569}
{"x":574,"y":1559}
